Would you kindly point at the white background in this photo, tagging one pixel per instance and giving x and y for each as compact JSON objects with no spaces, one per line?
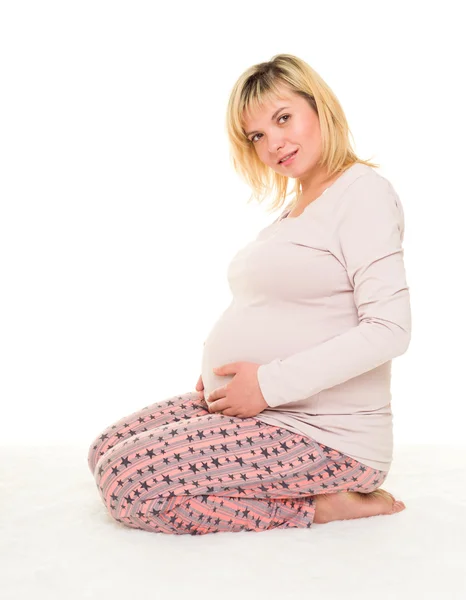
{"x":120,"y":209}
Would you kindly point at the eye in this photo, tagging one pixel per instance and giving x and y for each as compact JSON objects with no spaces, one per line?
{"x":252,"y":139}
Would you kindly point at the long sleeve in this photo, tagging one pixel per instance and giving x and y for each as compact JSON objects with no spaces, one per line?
{"x":368,"y":235}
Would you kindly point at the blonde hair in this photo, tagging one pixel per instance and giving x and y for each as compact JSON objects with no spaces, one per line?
{"x":256,"y":85}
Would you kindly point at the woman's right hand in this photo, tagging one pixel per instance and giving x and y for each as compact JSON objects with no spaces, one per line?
{"x":200,"y":387}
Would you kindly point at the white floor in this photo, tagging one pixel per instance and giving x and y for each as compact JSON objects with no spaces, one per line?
{"x":58,"y":543}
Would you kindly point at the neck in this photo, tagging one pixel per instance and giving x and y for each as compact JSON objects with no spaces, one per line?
{"x":310,"y":190}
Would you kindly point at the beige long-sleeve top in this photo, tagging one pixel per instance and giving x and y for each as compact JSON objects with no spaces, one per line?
{"x":321,"y":302}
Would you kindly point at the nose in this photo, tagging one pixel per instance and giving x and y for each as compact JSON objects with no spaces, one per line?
{"x":275,"y":145}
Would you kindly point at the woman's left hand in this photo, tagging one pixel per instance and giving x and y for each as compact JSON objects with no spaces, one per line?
{"x":242,"y":396}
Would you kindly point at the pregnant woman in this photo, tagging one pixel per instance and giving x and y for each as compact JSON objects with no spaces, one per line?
{"x":291,"y":423}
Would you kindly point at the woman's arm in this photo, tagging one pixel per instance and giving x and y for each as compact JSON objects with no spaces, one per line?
{"x":369,"y":233}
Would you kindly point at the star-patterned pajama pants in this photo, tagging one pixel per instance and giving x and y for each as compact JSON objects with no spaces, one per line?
{"x":174,"y":467}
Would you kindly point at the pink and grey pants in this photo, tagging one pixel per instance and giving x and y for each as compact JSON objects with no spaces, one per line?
{"x":173,"y":467}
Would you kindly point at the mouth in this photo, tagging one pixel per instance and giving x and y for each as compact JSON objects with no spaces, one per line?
{"x":288,"y":159}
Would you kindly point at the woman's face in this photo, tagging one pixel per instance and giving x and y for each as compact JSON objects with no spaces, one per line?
{"x":281,"y":126}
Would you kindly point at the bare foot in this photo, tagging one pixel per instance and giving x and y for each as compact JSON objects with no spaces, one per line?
{"x":354,"y":505}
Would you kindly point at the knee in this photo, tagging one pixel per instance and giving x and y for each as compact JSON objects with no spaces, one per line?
{"x":92,"y":457}
{"x":95,"y":453}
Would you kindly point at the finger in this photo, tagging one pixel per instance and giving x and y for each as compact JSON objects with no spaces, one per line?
{"x":229,"y":412}
{"x":217,"y":394}
{"x":218,"y":406}
{"x":213,"y":396}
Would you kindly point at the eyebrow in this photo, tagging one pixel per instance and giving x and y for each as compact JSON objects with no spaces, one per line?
{"x":248,"y":133}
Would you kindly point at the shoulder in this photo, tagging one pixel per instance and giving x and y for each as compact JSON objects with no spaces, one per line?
{"x":368,"y":200}
{"x":367,"y":188}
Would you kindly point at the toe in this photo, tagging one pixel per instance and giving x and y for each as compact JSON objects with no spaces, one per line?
{"x":398,"y":506}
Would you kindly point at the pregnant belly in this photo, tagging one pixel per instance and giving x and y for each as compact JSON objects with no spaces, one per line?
{"x":252,"y":334}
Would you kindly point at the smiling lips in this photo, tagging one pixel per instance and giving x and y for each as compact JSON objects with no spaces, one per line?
{"x":286,"y":159}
